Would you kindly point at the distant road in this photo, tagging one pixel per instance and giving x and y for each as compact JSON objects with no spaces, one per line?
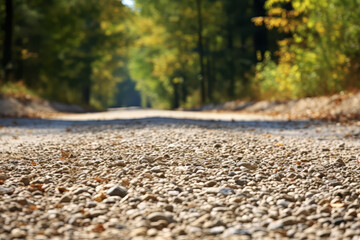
{"x":134,"y":113}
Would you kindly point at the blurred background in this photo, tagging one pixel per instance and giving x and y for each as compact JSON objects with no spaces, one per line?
{"x":184,"y":53}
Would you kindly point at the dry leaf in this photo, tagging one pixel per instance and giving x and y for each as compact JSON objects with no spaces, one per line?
{"x":65,"y":154}
{"x":2,"y":182}
{"x":15,"y":137}
{"x":64,"y":159}
{"x":279,"y":144}
{"x":99,"y":228}
{"x":99,"y":197}
{"x":298,"y":162}
{"x":62,"y":189}
{"x":58,"y":205}
{"x":38,"y":186}
{"x":357,"y":161}
{"x":100,"y":180}
{"x":33,"y":207}
{"x":33,"y":163}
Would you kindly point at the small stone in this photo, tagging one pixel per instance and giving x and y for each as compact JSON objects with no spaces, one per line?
{"x":80,"y":191}
{"x":283,"y":203}
{"x":156,"y":169}
{"x":341,"y":145}
{"x":217,"y":145}
{"x":323,"y":233}
{"x":210,"y":184}
{"x":226,"y":191}
{"x":288,"y":221}
{"x":241,"y":182}
{"x":339,"y":162}
{"x":13,"y":207}
{"x":5,"y":190}
{"x":22,"y":201}
{"x":141,"y":231}
{"x":152,"y":232}
{"x":91,"y":204}
{"x":3,"y":176}
{"x":235,"y":231}
{"x":66,"y":198}
{"x":148,"y":197}
{"x":25,"y":180}
{"x":157,"y":216}
{"x":217,"y":230}
{"x":18,"y":233}
{"x":275,"y":225}
{"x":96,"y":212}
{"x":247,"y":165}
{"x":351,"y":213}
{"x":117,"y":191}
{"x":178,"y":200}
{"x":118,"y":163}
{"x":159,"y":224}
{"x":338,"y":221}
{"x":169,"y":208}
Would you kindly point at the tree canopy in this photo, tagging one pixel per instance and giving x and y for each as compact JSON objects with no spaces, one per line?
{"x":180,"y":53}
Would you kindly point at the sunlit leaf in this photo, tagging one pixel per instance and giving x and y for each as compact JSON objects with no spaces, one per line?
{"x":62,"y":189}
{"x":99,"y":228}
{"x":33,"y":207}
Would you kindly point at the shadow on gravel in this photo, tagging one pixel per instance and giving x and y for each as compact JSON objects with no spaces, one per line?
{"x":157,"y":121}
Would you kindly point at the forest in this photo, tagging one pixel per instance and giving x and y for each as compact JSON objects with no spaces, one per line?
{"x":185,"y":53}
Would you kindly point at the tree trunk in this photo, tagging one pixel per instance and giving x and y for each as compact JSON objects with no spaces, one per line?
{"x":8,"y":29}
{"x":176,"y":100}
{"x":230,"y":60}
{"x":260,"y":34}
{"x":201,"y":52}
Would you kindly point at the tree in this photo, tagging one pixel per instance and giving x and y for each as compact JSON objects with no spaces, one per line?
{"x":8,"y":36}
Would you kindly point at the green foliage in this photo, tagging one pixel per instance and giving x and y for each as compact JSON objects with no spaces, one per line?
{"x":17,"y":90}
{"x":71,"y":51}
{"x":164,"y":59}
{"x":80,"y":51}
{"x":322,"y":53}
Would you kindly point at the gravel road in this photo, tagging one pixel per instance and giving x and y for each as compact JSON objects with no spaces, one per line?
{"x":141,"y":174}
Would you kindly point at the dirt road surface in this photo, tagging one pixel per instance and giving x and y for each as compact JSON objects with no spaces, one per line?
{"x":151,"y":174}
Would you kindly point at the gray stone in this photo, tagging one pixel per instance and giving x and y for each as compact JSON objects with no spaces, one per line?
{"x":247,"y":165}
{"x":226,"y":191}
{"x":157,"y":216}
{"x":117,"y":191}
{"x":217,"y":230}
{"x":66,"y":198}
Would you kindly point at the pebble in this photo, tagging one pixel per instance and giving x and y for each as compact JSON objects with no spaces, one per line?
{"x":3,"y":176}
{"x":247,"y":165}
{"x":217,"y":230}
{"x":25,"y":180}
{"x":157,"y":216}
{"x":117,"y":191}
{"x":227,"y":191}
{"x":66,"y":198}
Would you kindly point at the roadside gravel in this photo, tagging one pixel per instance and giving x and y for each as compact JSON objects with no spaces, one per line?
{"x":170,"y":178}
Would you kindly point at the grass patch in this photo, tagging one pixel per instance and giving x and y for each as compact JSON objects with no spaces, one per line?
{"x":17,"y":90}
